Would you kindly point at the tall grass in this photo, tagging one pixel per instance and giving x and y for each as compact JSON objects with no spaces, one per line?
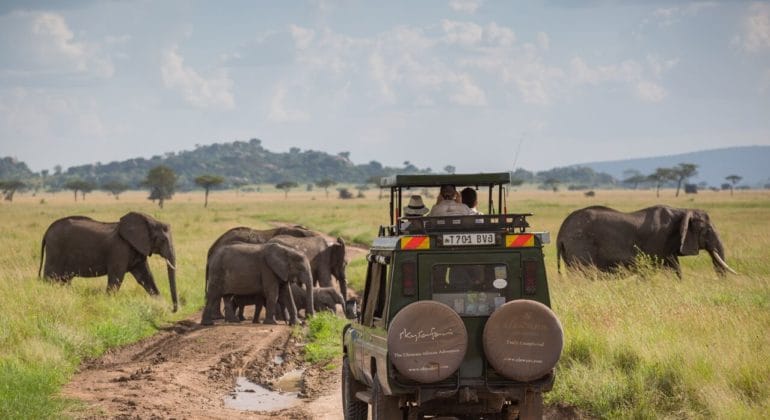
{"x":644,"y":344}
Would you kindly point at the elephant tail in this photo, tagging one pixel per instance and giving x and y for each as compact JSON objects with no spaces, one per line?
{"x":42,"y":256}
{"x":559,"y":252}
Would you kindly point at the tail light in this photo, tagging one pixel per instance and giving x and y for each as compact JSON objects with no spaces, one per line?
{"x":408,"y":278}
{"x":530,"y":277}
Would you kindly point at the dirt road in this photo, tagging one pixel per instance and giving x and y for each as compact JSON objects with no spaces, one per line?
{"x":189,"y":371}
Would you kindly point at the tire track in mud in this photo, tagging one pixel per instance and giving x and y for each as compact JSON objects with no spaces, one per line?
{"x":187,"y":371}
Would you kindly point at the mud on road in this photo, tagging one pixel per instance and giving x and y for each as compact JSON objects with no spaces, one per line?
{"x":190,"y":371}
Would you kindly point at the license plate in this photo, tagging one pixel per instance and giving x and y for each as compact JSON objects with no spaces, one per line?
{"x":458,"y":239}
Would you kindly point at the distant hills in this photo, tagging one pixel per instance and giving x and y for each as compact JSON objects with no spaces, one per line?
{"x":750,"y":162}
{"x":247,"y":162}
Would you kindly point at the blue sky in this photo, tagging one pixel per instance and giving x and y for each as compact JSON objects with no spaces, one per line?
{"x":460,"y":82}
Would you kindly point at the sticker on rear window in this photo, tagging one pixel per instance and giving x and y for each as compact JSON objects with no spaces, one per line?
{"x":500,"y":283}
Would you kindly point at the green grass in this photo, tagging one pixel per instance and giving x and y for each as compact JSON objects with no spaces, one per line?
{"x":323,"y":336}
{"x":640,"y":345}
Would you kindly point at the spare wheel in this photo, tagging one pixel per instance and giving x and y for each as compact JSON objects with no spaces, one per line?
{"x":523,"y":340}
{"x":427,"y":341}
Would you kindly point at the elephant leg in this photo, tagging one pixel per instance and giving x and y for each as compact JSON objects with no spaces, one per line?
{"x":114,"y":280}
{"x":144,"y":277}
{"x":270,"y":288}
{"x":212,"y":305}
{"x":259,"y":303}
{"x":230,"y":309}
{"x":672,"y":262}
{"x":286,"y":300}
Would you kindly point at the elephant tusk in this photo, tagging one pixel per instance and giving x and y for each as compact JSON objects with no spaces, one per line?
{"x":171,"y":266}
{"x":721,"y":262}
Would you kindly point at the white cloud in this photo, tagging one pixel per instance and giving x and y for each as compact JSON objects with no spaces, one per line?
{"x":303,"y":37}
{"x":468,"y":93}
{"x":466,"y":6}
{"x":659,"y":66}
{"x":650,"y":91}
{"x":499,"y":35}
{"x":212,"y":92}
{"x":668,"y":16}
{"x":280,"y":112}
{"x":36,"y":114}
{"x":543,"y":41}
{"x":44,"y":43}
{"x":462,"y":33}
{"x":756,"y":28}
{"x":628,"y":72}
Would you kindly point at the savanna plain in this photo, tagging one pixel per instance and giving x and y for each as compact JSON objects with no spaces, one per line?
{"x":638,"y":344}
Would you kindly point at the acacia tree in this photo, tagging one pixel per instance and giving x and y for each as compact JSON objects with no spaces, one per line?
{"x":325,"y":184}
{"x":115,"y":188}
{"x":207,"y":182}
{"x":10,"y":188}
{"x":161,"y":180}
{"x":682,"y":172}
{"x":734,"y":179}
{"x":450,"y":169}
{"x":286,"y":186}
{"x":79,"y":185}
{"x":660,"y":177}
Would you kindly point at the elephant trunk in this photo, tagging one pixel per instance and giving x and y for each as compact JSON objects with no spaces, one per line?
{"x":171,"y":266}
{"x":307,"y":279}
{"x":720,"y":265}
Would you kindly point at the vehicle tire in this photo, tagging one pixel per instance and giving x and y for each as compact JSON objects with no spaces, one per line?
{"x":384,"y":407}
{"x":427,"y":341}
{"x":523,"y":340}
{"x":353,"y":408}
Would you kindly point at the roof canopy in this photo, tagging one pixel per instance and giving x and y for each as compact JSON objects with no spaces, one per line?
{"x":499,"y":178}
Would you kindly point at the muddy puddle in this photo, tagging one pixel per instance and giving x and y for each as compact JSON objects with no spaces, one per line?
{"x":249,"y":396}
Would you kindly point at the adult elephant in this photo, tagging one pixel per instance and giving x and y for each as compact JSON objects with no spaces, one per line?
{"x":326,"y":259}
{"x":607,"y":238}
{"x":83,"y":247}
{"x":255,"y":269}
{"x":243,"y":234}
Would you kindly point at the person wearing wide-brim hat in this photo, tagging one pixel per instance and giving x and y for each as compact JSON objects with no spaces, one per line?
{"x":415,"y":207}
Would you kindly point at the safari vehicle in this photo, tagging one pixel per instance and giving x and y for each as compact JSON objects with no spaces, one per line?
{"x":455,"y":317}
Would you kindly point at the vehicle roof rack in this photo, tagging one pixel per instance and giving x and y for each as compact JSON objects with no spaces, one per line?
{"x":437,"y":180}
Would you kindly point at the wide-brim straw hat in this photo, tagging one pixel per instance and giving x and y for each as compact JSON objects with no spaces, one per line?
{"x":415,"y":207}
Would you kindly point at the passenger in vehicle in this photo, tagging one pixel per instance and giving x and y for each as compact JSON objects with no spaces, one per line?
{"x":470,"y":199}
{"x":449,"y":204}
{"x":415,"y":208}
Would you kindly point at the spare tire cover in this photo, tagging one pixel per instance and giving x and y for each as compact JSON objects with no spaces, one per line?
{"x":427,"y":341}
{"x":523,"y":340}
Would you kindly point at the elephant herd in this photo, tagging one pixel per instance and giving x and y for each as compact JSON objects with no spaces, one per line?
{"x":287,"y":269}
{"x":282,"y":269}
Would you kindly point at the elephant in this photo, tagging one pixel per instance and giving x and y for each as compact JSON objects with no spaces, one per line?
{"x":324,"y":299}
{"x":326,"y":259}
{"x":83,"y":247}
{"x":243,"y":234}
{"x":255,"y":269}
{"x":608,"y":239}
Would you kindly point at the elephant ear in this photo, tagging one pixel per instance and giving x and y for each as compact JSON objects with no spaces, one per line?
{"x":278,"y":259}
{"x":134,"y":228}
{"x":688,"y":236}
{"x":339,"y":250}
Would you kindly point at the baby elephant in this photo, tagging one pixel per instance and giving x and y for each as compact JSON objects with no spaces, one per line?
{"x":324,"y":299}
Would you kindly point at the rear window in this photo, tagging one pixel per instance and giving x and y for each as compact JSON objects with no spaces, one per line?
{"x":470,"y":289}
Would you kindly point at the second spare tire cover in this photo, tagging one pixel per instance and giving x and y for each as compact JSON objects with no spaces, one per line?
{"x":427,"y":341}
{"x":523,"y":340}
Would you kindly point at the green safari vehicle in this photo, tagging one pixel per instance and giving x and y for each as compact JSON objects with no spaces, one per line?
{"x":455,"y":316}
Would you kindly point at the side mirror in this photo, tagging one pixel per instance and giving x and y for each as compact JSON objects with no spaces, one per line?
{"x":351,"y":309}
